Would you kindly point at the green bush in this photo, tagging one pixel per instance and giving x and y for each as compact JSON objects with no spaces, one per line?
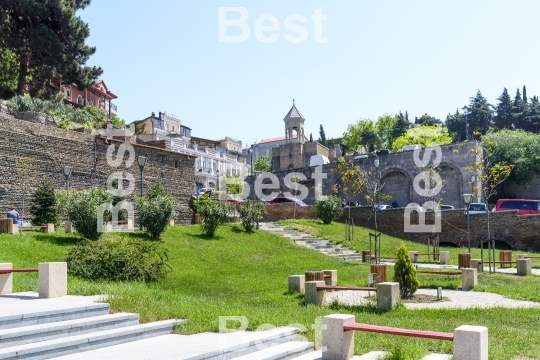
{"x":83,"y":211}
{"x":43,"y":205}
{"x":63,"y":202}
{"x":405,"y":273}
{"x":201,"y":201}
{"x":126,"y":259}
{"x":250,"y":213}
{"x":329,"y":208}
{"x":156,"y":209}
{"x":214,"y":213}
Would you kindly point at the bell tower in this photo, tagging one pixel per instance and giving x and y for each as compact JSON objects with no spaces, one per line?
{"x":294,"y":126}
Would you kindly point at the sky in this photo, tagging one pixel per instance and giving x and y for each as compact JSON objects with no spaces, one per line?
{"x":349,"y":60}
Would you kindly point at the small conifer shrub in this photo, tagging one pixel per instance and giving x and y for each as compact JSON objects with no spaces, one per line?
{"x":405,"y":273}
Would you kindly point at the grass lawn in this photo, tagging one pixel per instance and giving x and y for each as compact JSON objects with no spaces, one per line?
{"x":239,"y":274}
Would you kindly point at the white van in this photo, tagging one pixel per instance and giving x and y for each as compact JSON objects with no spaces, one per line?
{"x":360,"y":157}
{"x":411,"y":147}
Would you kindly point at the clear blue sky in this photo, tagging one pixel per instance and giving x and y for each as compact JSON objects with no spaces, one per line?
{"x":383,"y":56}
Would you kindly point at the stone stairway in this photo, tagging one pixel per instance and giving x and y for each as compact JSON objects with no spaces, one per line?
{"x":312,"y":242}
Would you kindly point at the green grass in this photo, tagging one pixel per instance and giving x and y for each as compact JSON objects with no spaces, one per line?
{"x":240,"y":274}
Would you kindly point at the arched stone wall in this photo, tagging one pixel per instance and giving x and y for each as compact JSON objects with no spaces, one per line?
{"x":453,"y":185}
{"x":398,"y":184}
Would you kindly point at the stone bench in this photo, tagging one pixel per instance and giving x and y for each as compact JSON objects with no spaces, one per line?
{"x":470,"y":342}
{"x":52,"y":278}
{"x":48,"y":229}
{"x":469,"y":276}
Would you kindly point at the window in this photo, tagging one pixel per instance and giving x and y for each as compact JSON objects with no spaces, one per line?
{"x":80,"y":100}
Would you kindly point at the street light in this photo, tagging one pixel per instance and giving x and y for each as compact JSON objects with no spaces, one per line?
{"x":465,"y":112}
{"x":251,"y":159}
{"x":217,"y":174}
{"x":375,"y":200}
{"x":141,"y":160}
{"x":467,"y":200}
{"x":67,"y":173}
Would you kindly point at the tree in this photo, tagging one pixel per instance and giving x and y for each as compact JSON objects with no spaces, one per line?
{"x":427,"y":120}
{"x":456,"y":126}
{"x":369,"y":138}
{"x":98,"y":116}
{"x":8,"y":73}
{"x":43,"y":205}
{"x":263,"y":163}
{"x":385,"y":128}
{"x":402,"y":125}
{"x":519,"y":113}
{"x":405,"y":274}
{"x":360,"y":133}
{"x":322,"y":136}
{"x":504,"y":119}
{"x":49,"y":41}
{"x":480,"y":114}
{"x":534,"y":115}
{"x":424,"y":135}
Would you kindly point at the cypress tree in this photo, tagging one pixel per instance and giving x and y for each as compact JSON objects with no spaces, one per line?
{"x":310,"y":137}
{"x":322,"y":136}
{"x":504,"y":119}
{"x":43,"y":205}
{"x":524,"y":94}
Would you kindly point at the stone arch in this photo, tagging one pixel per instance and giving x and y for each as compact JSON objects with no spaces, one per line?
{"x":454,"y":184}
{"x":398,"y":184}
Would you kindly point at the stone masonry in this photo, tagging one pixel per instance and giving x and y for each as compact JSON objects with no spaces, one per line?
{"x":49,"y":148}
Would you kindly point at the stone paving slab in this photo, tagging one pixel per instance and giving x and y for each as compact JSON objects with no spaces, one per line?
{"x":25,"y":302}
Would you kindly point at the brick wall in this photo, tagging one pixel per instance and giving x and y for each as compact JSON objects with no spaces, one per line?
{"x":518,"y":232}
{"x":52,"y":148}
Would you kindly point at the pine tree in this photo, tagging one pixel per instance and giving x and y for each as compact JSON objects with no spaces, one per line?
{"x":456,"y":126}
{"x":402,"y":125}
{"x":519,"y":112}
{"x":504,"y":118}
{"x":48,"y":39}
{"x":43,"y":205}
{"x":480,"y":114}
{"x":405,"y":274}
{"x":322,"y":136}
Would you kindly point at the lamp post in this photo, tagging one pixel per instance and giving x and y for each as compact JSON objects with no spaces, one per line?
{"x":375,"y":201}
{"x":465,"y":113}
{"x":467,"y":200}
{"x":217,"y":174}
{"x":67,"y":174}
{"x":141,"y":160}
{"x":251,"y":159}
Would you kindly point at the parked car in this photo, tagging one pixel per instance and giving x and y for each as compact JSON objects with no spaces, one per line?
{"x":221,"y":196}
{"x":523,"y":206}
{"x":383,"y":152}
{"x":359,"y":157}
{"x":442,"y":208}
{"x":284,"y":199}
{"x":383,"y":207}
{"x":477,"y":208}
{"x":411,"y":147}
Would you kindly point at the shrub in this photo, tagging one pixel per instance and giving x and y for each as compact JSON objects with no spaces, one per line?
{"x":156,"y":209}
{"x":83,"y":211}
{"x":125,"y":259}
{"x":405,"y":273}
{"x":63,"y":202}
{"x":250,"y":213}
{"x":214,"y":213}
{"x":43,"y":205}
{"x":329,"y":208}
{"x":201,"y":201}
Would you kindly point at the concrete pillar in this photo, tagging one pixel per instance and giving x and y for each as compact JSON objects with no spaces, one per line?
{"x":171,"y":222}
{"x":521,"y":256}
{"x":332,"y":280}
{"x":471,"y":343}
{"x":69,"y":227}
{"x":414,"y":256}
{"x":477,"y":264}
{"x":524,"y":267}
{"x":469,"y":278}
{"x":49,"y":229}
{"x":52,"y":279}
{"x":387,"y":295}
{"x":337,"y":344}
{"x":444,"y":257}
{"x":14,"y":229}
{"x":313,"y":295}
{"x":6,"y":280}
{"x":297,"y":283}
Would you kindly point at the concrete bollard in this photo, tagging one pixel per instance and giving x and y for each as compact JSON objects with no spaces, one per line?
{"x":477,"y":264}
{"x":314,"y":295}
{"x":49,"y":229}
{"x":521,"y":256}
{"x":366,"y":256}
{"x":414,"y":256}
{"x":69,"y":227}
{"x":52,"y":279}
{"x":6,"y":280}
{"x":469,"y":278}
{"x":470,"y":343}
{"x":332,"y":280}
{"x":444,"y":257}
{"x":387,"y":295}
{"x":297,"y":283}
{"x":524,"y":267}
{"x":337,"y":344}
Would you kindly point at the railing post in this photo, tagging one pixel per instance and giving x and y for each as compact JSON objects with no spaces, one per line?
{"x":52,"y":279}
{"x":471,"y":343}
{"x":313,"y":295}
{"x":337,"y":344}
{"x":6,"y":280}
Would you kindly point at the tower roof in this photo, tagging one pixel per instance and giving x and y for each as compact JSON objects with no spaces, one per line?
{"x":294,"y":113}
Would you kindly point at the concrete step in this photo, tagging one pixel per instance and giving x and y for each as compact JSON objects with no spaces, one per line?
{"x":19,"y":317}
{"x":73,"y":344}
{"x":285,"y":351}
{"x":313,"y":355}
{"x":49,"y":331}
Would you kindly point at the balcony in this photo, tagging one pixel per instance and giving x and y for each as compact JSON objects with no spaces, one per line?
{"x":114,"y":109}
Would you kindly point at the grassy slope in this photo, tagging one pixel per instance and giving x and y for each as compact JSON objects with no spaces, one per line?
{"x":246,"y":275}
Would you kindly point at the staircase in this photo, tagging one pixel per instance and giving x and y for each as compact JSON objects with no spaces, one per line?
{"x":312,"y":242}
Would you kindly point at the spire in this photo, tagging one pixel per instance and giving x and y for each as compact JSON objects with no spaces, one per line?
{"x":294,"y":113}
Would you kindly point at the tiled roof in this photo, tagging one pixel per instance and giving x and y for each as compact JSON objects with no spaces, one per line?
{"x":282,"y":138}
{"x":294,"y":113}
